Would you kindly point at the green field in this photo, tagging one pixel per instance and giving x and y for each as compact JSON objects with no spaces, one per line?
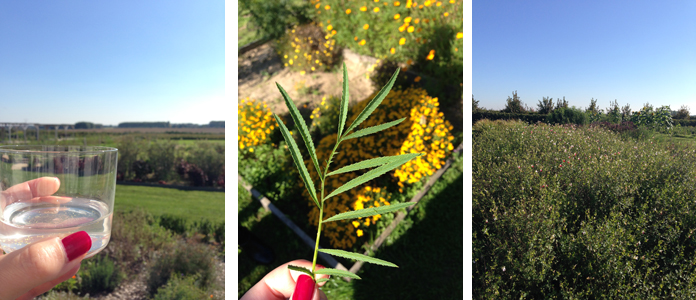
{"x":193,"y":205}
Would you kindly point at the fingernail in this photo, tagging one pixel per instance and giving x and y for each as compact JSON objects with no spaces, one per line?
{"x":77,"y":244}
{"x":304,"y":290}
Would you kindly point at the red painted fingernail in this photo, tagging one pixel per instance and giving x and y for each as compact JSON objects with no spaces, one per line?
{"x":304,"y":290}
{"x":77,"y":244}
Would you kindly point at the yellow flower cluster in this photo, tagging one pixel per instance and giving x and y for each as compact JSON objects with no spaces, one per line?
{"x":424,"y":130}
{"x":306,"y":48}
{"x":255,"y":124}
{"x":405,"y":26}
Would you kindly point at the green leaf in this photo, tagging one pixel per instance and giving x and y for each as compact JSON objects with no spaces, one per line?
{"x":320,"y":280}
{"x":368,"y":212}
{"x":373,"y":103}
{"x":394,"y":162}
{"x":344,"y":102}
{"x":358,"y":256}
{"x":365,"y":164}
{"x":373,"y":129}
{"x":301,"y":269}
{"x":297,"y":158}
{"x":335,"y":272}
{"x":299,"y":122}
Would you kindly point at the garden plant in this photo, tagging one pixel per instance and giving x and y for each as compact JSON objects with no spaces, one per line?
{"x":381,"y":166}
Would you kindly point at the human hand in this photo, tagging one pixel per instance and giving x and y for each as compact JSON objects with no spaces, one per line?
{"x":282,"y":283}
{"x":33,"y":270}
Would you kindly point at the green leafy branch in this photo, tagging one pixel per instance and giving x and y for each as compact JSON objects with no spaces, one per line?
{"x":380,"y":165}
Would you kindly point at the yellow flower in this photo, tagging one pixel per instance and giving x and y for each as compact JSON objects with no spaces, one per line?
{"x":446,"y":14}
{"x":397,"y":3}
{"x":410,"y":29}
{"x":408,"y":4}
{"x":362,"y":42}
{"x":356,"y":224}
{"x":318,"y":5}
{"x":402,"y":41}
{"x":327,"y":7}
{"x":290,"y":62}
{"x":364,"y":8}
{"x":460,"y":35}
{"x":431,"y":55}
{"x":328,"y":28}
{"x":366,"y":26}
{"x":392,"y":50}
{"x":302,"y":72}
{"x":402,"y":28}
{"x":348,"y":11}
{"x":251,"y":150}
{"x":334,"y":33}
{"x":397,"y":16}
{"x":438,"y":3}
{"x":376,"y":9}
{"x":407,"y":20}
{"x":417,"y":79}
{"x":359,"y":232}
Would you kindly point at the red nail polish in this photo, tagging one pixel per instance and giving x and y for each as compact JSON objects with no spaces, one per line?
{"x":304,"y":290}
{"x":77,"y":244}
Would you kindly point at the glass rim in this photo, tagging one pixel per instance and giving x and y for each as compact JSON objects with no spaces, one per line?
{"x":17,"y":149}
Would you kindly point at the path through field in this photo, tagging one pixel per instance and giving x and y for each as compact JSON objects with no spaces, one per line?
{"x":261,"y":68}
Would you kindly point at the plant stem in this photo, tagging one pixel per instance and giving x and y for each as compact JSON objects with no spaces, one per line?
{"x":321,"y":206}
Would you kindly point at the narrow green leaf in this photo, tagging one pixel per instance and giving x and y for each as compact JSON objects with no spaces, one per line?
{"x":297,"y":158}
{"x":344,"y":103}
{"x":373,"y":129}
{"x":368,"y":212}
{"x":366,"y":164}
{"x":320,"y":280}
{"x":358,"y":256}
{"x":301,"y":269}
{"x":374,"y":173}
{"x":373,"y":103}
{"x":335,"y":272}
{"x":299,"y":122}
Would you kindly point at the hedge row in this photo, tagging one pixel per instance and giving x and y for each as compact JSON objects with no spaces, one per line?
{"x":495,"y":115}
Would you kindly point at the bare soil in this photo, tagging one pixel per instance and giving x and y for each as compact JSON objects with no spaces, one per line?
{"x":260,"y":68}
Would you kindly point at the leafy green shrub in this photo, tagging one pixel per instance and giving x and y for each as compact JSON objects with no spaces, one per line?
{"x":325,"y":116}
{"x":220,"y":233}
{"x":133,"y":235}
{"x":307,"y":48}
{"x":657,"y":119}
{"x":128,"y":152}
{"x":180,"y":288}
{"x":273,"y":17}
{"x":177,"y":224}
{"x":269,"y":170}
{"x":162,"y":156}
{"x":99,"y":274}
{"x":61,"y":295}
{"x":496,"y":115}
{"x":569,"y":115}
{"x":574,"y":212}
{"x":210,"y":159}
{"x":187,"y":259}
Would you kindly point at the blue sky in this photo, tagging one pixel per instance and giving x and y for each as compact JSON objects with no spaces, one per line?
{"x":108,"y":62}
{"x":632,"y":51}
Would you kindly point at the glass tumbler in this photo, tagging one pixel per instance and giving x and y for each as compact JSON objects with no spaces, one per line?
{"x":48,"y":191}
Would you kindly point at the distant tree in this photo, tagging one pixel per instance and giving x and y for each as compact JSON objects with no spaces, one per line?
{"x":561,"y":103}
{"x":682,"y":113}
{"x":593,"y":108}
{"x":614,"y":112}
{"x":217,"y":124}
{"x":626,"y":111}
{"x":545,"y":106}
{"x":475,"y":104}
{"x":84,"y":125}
{"x":514,"y":104}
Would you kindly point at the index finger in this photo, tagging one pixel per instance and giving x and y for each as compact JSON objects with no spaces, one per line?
{"x":280,"y":283}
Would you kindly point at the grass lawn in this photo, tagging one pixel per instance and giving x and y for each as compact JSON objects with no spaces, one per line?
{"x":427,"y":247}
{"x":193,"y":205}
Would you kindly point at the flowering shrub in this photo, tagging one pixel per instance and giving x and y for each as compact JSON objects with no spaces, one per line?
{"x":306,"y":48}
{"x":577,"y":212}
{"x":424,"y":130}
{"x":255,"y":124}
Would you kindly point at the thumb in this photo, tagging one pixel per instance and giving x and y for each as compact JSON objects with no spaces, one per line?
{"x":26,"y":269}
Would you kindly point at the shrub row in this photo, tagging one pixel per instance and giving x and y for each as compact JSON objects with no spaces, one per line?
{"x":573,"y":212}
{"x":495,"y":115}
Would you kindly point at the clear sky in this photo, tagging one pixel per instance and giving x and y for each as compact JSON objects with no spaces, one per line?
{"x":107,"y":62}
{"x":632,"y":51}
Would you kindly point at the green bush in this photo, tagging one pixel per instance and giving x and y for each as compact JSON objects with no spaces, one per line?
{"x":99,"y":274}
{"x":187,"y":259}
{"x":61,"y":295}
{"x":210,"y":158}
{"x":133,"y":235}
{"x":128,"y":153}
{"x":270,"y":171}
{"x":273,"y":17}
{"x":307,"y":48}
{"x":177,"y":224}
{"x":162,"y":155}
{"x":178,"y":288}
{"x":496,"y":115}
{"x":573,"y":212}
{"x":325,"y":116}
{"x":569,"y":115}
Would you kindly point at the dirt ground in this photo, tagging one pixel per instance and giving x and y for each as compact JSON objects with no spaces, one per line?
{"x":261,"y":68}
